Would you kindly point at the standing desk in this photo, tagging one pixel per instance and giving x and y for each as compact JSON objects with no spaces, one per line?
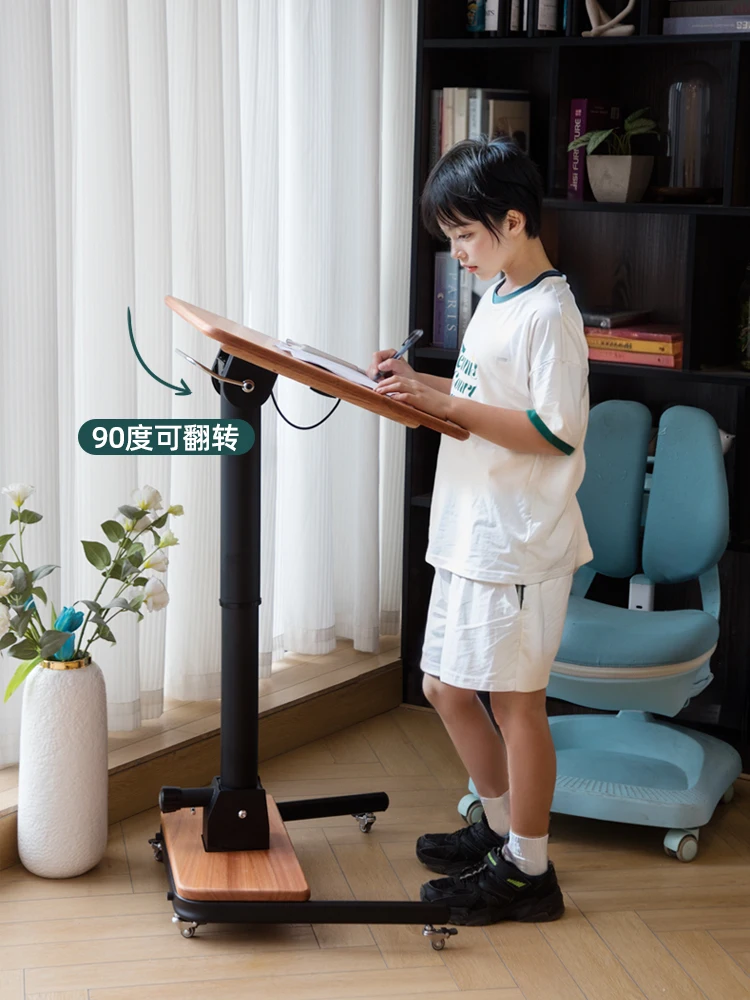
{"x":225,"y":848}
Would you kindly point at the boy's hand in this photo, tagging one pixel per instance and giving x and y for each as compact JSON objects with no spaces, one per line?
{"x":417,"y":394}
{"x":398,"y":367}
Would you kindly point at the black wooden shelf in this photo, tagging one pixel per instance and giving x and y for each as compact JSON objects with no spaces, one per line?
{"x":559,"y":41}
{"x":648,"y":207}
{"x":682,"y":261}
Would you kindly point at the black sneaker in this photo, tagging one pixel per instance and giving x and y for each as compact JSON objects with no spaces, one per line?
{"x":497,"y":890}
{"x":452,"y":853}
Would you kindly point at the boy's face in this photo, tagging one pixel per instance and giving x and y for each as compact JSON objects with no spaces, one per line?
{"x":478,"y":249}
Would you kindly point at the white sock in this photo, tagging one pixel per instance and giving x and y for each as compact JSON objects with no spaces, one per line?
{"x":497,"y":812}
{"x":529,"y":854}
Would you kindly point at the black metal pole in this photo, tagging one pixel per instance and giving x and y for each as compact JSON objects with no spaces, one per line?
{"x":240,"y":601}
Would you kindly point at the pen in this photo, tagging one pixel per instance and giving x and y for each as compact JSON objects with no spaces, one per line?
{"x":407,"y":344}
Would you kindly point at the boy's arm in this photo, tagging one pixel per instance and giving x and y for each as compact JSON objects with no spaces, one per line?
{"x":514,"y":429}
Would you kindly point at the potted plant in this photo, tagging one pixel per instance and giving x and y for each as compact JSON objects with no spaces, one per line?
{"x":618,"y":175}
{"x":63,"y":774}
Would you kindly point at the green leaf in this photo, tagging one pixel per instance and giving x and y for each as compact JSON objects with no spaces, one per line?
{"x":582,"y":140}
{"x":126,"y":543}
{"x":160,"y":521}
{"x":140,"y":581}
{"x":41,"y":571}
{"x":132,"y":513}
{"x":13,"y":516}
{"x":7,"y":640}
{"x":98,"y":620}
{"x":135,"y":603}
{"x":105,"y":632}
{"x":634,"y":116}
{"x":157,"y":536}
{"x":597,"y":138}
{"x":22,"y":672}
{"x":116,"y":573}
{"x":136,"y":556}
{"x":119,"y":602}
{"x":41,"y":594}
{"x":52,"y":641}
{"x":92,"y":605}
{"x":21,"y":623}
{"x":30,"y":517}
{"x":113,"y":530}
{"x":23,"y":650}
{"x":643,"y":127}
{"x":4,"y":539}
{"x":54,"y":613}
{"x":20,"y":581}
{"x":97,"y":554}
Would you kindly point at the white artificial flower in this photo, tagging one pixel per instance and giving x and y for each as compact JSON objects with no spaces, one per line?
{"x":6,"y":584}
{"x":158,"y":561}
{"x":4,"y":620}
{"x":176,"y":509}
{"x":155,"y":595}
{"x":18,"y":493}
{"x":168,"y":539}
{"x":147,"y":498}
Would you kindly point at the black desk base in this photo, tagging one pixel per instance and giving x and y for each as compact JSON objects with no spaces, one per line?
{"x":235,"y":816}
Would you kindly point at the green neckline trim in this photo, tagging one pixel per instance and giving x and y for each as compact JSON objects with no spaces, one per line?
{"x":546,"y":433}
{"x":519,"y":291}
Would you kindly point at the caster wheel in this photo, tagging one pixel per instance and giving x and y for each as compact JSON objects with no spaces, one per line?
{"x":158,"y":848}
{"x":681,"y":844}
{"x":438,"y":944}
{"x":470,"y":808}
{"x":728,"y":795}
{"x":437,"y":935}
{"x":187,"y":932}
{"x":365,"y":821}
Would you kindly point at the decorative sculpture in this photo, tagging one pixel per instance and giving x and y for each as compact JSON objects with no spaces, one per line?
{"x":603,"y":24}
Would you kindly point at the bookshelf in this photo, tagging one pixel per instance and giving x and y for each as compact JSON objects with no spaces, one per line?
{"x":685,"y":262}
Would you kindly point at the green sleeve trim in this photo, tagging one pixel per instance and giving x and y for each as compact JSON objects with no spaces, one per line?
{"x":546,"y":433}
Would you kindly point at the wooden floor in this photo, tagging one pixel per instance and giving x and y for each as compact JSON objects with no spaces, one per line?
{"x":638,"y":924}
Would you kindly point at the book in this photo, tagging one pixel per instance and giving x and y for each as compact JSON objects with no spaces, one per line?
{"x":708,"y":8}
{"x":612,"y":343}
{"x":465,"y":302}
{"x":706,"y":25}
{"x":500,"y":112}
{"x":631,"y":358}
{"x":438,"y":306}
{"x":450,"y":319}
{"x":436,"y":114}
{"x":608,"y":318}
{"x":446,"y":138}
{"x":586,"y":114}
{"x":347,"y":370}
{"x":663,"y":332}
{"x":460,"y":114}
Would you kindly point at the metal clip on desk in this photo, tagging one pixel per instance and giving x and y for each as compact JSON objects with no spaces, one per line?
{"x":235,"y":862}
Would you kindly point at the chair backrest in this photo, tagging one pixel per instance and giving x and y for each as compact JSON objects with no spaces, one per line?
{"x":687,"y":523}
{"x":611,"y":494}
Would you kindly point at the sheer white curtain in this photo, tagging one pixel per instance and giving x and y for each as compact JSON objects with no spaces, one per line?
{"x":254,"y":160}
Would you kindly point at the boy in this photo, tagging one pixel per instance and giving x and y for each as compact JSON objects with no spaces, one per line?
{"x":506,"y":533}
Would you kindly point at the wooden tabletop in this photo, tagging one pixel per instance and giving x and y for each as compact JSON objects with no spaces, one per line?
{"x":260,"y":349}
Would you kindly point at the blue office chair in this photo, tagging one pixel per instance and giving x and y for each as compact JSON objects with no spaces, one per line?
{"x":668,"y":516}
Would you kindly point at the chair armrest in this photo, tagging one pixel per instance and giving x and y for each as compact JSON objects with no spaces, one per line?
{"x":711,"y":591}
{"x":582,"y":580}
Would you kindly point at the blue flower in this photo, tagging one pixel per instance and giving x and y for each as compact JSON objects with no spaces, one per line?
{"x":29,"y":604}
{"x":68,"y":621}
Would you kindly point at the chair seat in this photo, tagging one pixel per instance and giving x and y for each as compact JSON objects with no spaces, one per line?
{"x":599,"y":635}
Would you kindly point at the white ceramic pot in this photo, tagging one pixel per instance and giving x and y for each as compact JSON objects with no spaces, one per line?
{"x":619,"y":178}
{"x":63,"y":772}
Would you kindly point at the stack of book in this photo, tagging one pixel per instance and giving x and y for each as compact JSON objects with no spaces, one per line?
{"x":658,"y":345}
{"x":706,"y":17}
{"x":458,"y":113}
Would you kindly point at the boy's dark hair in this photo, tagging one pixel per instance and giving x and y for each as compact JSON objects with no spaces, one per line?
{"x":481,"y":180}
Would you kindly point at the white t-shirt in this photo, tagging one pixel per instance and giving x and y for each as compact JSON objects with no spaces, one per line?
{"x":503,"y":516}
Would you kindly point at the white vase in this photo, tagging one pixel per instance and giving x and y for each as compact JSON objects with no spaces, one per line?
{"x":63,"y":773}
{"x":619,"y":178}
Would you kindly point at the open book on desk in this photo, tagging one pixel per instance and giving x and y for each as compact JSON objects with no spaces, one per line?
{"x":328,"y":361}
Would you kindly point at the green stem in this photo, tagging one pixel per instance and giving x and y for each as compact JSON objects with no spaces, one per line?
{"x":77,"y":652}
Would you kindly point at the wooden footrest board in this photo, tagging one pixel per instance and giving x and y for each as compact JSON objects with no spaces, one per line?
{"x":274,"y":874}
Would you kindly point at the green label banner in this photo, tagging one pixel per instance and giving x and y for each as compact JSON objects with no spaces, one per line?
{"x":166,"y":437}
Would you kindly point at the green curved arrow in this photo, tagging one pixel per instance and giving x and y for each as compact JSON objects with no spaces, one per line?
{"x":180,"y":390}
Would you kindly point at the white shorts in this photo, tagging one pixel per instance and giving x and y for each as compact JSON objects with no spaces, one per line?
{"x":494,"y":636}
